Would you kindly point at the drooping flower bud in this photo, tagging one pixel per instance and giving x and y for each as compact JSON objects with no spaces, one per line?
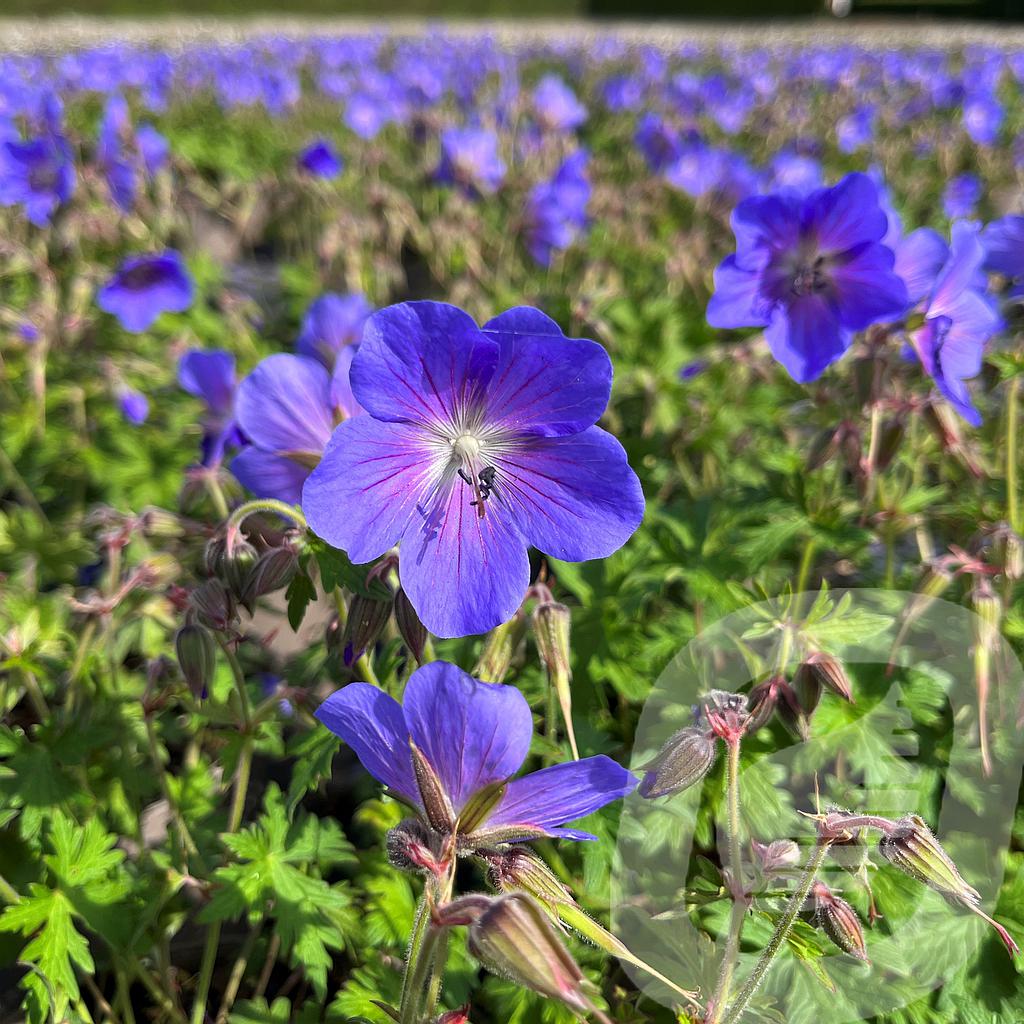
{"x":239,"y":560}
{"x":213,"y":605}
{"x":459,"y":1016}
{"x":273,"y":570}
{"x":807,"y":687}
{"x":889,"y":441}
{"x":687,"y":756}
{"x":823,"y":448}
{"x":515,"y":939}
{"x":762,"y":701}
{"x":411,"y":630}
{"x":839,"y":921}
{"x":197,"y":656}
{"x":913,"y":849}
{"x":519,"y":868}
{"x":367,"y":617}
{"x":823,"y":670}
{"x":158,"y":522}
{"x":551,"y":625}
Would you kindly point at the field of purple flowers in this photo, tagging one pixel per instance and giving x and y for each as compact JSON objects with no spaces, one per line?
{"x":381,"y":415}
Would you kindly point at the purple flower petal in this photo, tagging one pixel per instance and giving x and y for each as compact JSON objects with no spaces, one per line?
{"x":736,"y":300}
{"x":806,"y":338}
{"x":760,"y":221}
{"x":572,"y":497}
{"x":342,"y":398}
{"x":472,"y":733}
{"x":284,"y":405}
{"x":919,"y":258}
{"x":209,"y":376}
{"x":464,"y":574}
{"x":545,"y":382}
{"x":270,"y":475}
{"x":421,"y":362}
{"x":847,"y":214}
{"x":373,"y":725}
{"x":364,"y":491}
{"x":563,"y":792}
{"x":867,"y":290}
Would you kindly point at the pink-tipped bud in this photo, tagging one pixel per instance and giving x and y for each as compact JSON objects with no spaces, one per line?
{"x":409,"y":847}
{"x":913,"y":849}
{"x":687,"y":756}
{"x":762,"y":702}
{"x":839,"y":921}
{"x":459,"y":1016}
{"x":515,"y":939}
{"x":776,"y":857}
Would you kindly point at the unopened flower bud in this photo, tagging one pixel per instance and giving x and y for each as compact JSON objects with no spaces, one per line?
{"x":197,"y":656}
{"x":499,"y":646}
{"x":551,"y":624}
{"x":459,"y":1016}
{"x":213,"y":605}
{"x":777,"y":856}
{"x":273,"y":570}
{"x":839,"y":921}
{"x":912,"y":848}
{"x":239,"y":560}
{"x":822,"y":670}
{"x":1013,"y":555}
{"x":519,"y":868}
{"x":684,"y":760}
{"x":761,"y":702}
{"x":408,"y":846}
{"x":823,"y":448}
{"x":515,"y":939}
{"x":367,"y":617}
{"x":989,"y":614}
{"x":411,"y":630}
{"x":889,"y":441}
{"x":158,"y":522}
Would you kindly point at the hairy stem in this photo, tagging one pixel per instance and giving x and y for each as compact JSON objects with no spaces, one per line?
{"x":782,"y":929}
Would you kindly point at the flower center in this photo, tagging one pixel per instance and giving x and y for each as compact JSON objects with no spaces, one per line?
{"x":467,"y":452}
{"x":810,"y":278}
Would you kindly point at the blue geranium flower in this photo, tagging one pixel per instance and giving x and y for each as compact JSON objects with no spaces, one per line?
{"x":134,"y":406}
{"x":961,"y":196}
{"x":144,"y":287}
{"x":210,"y":376}
{"x":286,"y":409}
{"x":469,"y":735}
{"x":556,"y":212}
{"x":956,"y":317}
{"x":38,"y":175}
{"x":331,"y":323}
{"x":321,"y":160}
{"x":556,"y":105}
{"x":810,"y":270}
{"x":1003,"y":241}
{"x":470,"y":159}
{"x":479,"y":443}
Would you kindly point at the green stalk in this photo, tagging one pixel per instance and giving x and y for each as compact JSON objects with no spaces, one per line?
{"x":782,"y":929}
{"x":1012,"y":442}
{"x":235,"y":520}
{"x":739,"y":903}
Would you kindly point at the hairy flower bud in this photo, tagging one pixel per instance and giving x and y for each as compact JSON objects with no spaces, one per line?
{"x":839,"y":921}
{"x":273,"y":570}
{"x":890,"y":439}
{"x":239,"y":560}
{"x":213,"y":605}
{"x":823,"y":448}
{"x":499,"y":646}
{"x":408,"y":846}
{"x":367,"y":617}
{"x":762,"y":701}
{"x":197,"y":656}
{"x":158,"y":522}
{"x":913,"y":849}
{"x":551,"y":624}
{"x":823,"y":670}
{"x":411,"y":630}
{"x":515,"y":939}
{"x":684,"y":760}
{"x":776,"y":857}
{"x":989,"y":614}
{"x":519,"y":868}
